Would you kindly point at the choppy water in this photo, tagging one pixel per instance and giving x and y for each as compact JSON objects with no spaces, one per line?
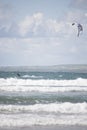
{"x":43,"y":98}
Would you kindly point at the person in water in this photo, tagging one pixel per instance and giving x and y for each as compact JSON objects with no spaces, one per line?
{"x":18,"y":74}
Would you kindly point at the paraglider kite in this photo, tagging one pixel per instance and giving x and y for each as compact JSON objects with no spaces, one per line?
{"x":80,"y":28}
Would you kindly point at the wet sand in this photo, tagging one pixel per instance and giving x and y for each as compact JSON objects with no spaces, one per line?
{"x":53,"y":127}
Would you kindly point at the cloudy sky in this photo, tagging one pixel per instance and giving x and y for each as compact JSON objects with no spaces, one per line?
{"x":40,"y":32}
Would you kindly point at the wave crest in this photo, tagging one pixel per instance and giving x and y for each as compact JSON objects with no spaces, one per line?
{"x":43,"y":82}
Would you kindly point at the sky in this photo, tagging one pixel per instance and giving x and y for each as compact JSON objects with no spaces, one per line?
{"x":40,"y":32}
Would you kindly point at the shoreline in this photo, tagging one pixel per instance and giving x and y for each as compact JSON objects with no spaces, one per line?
{"x":49,"y":127}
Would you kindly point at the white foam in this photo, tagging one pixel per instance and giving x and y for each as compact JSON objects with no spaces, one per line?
{"x":34,"y":119}
{"x":64,"y":108}
{"x":29,"y":85}
{"x":43,"y":82}
{"x":41,"y":89}
{"x":43,"y":114}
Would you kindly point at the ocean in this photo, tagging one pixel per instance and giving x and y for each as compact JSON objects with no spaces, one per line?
{"x":33,"y":96}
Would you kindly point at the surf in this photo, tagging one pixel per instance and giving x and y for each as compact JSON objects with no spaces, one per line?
{"x":43,"y":82}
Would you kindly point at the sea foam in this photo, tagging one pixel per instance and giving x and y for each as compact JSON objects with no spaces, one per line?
{"x":43,"y":82}
{"x":23,"y":120}
{"x":64,"y":108}
{"x":28,"y":85}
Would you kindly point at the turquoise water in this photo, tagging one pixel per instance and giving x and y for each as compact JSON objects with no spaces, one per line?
{"x":37,"y":97}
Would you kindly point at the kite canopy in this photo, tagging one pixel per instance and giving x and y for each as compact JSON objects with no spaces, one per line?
{"x":80,"y":28}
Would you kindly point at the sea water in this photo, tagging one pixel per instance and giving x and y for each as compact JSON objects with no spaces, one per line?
{"x":43,"y":97}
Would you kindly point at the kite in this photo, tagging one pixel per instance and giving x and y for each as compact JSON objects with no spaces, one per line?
{"x":80,"y":28}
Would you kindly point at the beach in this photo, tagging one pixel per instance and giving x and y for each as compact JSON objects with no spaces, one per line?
{"x":48,"y":128}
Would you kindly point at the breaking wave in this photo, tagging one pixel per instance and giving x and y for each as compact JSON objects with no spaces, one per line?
{"x":51,"y":114}
{"x":42,"y":85}
{"x":43,"y":82}
{"x":67,"y":108}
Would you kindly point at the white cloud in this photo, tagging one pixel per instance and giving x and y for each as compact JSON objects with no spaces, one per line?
{"x":30,"y":23}
{"x":54,"y":26}
{"x":38,"y":25}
